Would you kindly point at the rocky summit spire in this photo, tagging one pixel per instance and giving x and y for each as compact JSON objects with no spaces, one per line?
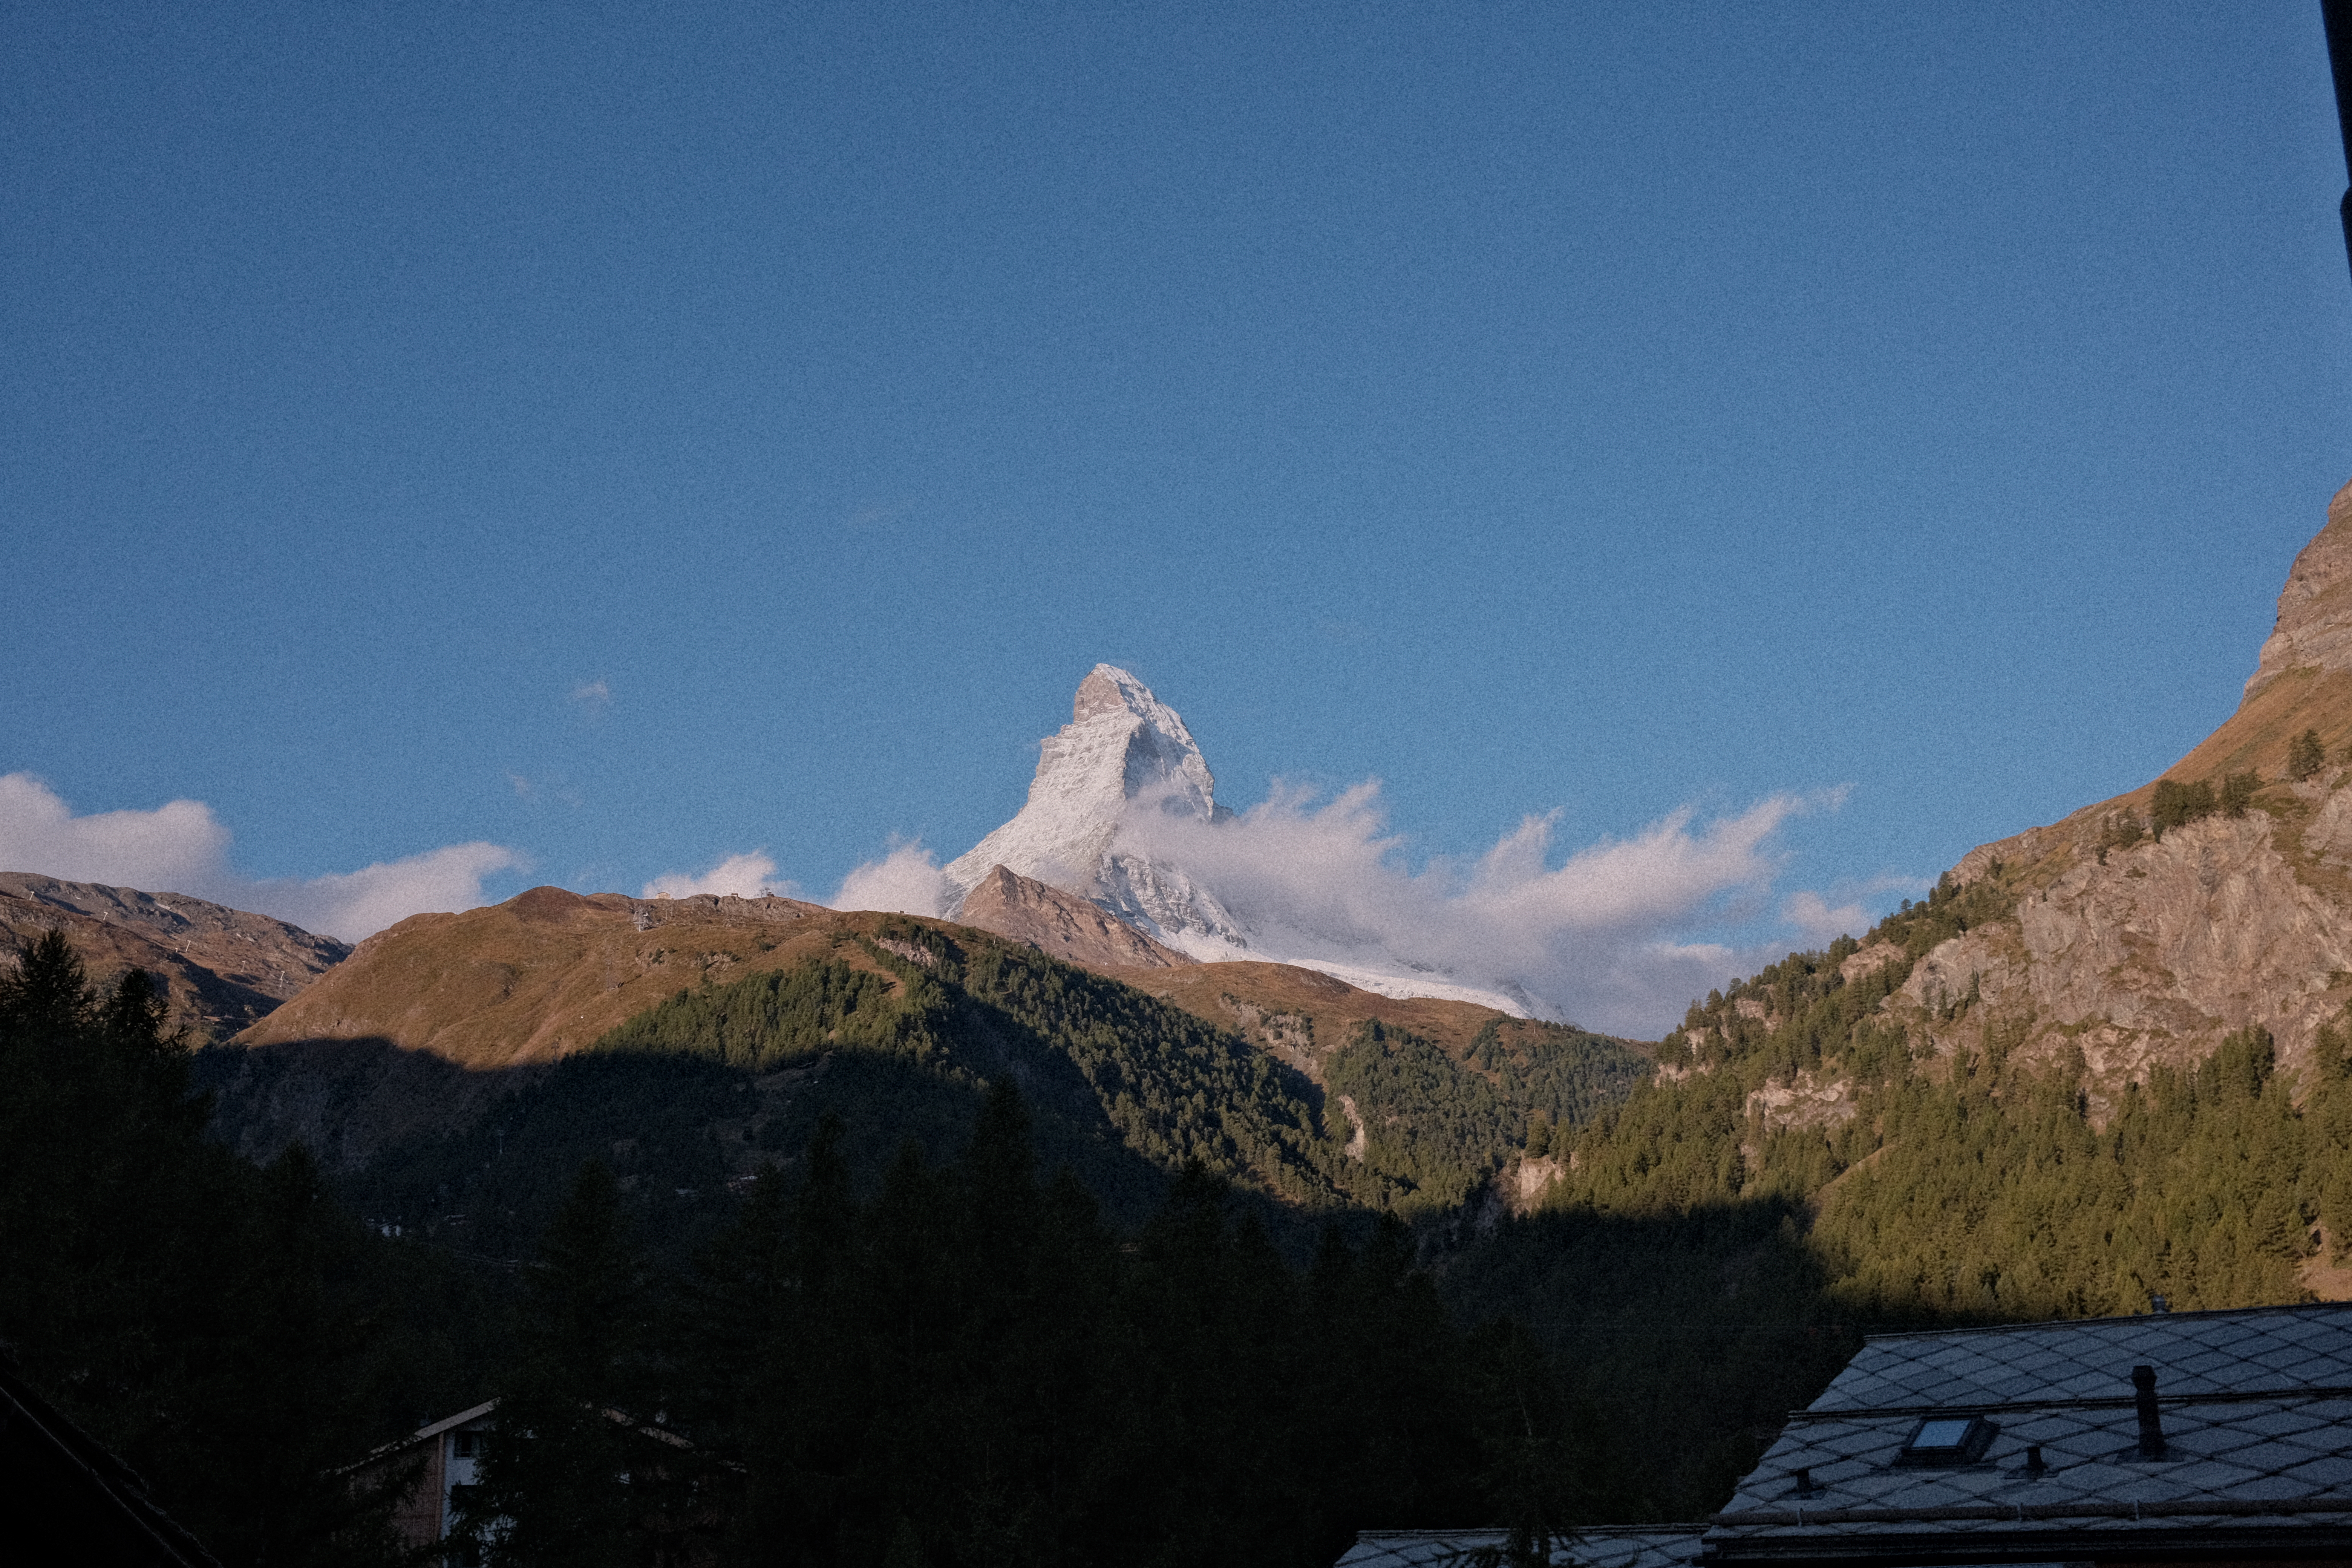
{"x":2315,"y":611}
{"x":1096,"y":827}
{"x":1123,"y":750}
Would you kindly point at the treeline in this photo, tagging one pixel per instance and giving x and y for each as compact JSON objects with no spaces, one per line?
{"x":1437,"y":1127}
{"x":971,"y":1368}
{"x":1995,"y":1194}
{"x":1103,"y":1063}
{"x":219,"y":1327}
{"x":1982,"y":1184}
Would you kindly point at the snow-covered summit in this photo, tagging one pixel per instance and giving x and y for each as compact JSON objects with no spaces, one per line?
{"x":1124,"y":759}
{"x":1122,"y":750}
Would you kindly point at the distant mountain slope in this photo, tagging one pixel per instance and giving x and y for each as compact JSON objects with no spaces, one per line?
{"x":1060,"y":924}
{"x":544,"y":973}
{"x":221,"y":969}
{"x":2104,"y":1060}
{"x":433,"y":1028}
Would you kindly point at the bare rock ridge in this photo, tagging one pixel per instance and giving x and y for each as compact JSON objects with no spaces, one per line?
{"x":221,"y":969}
{"x":2137,"y":949}
{"x":2315,"y":613}
{"x":1061,"y":925}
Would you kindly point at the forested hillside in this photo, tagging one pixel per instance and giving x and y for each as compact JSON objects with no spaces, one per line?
{"x":1805,"y":1168}
{"x":1125,"y":1090}
{"x":961,"y":1364}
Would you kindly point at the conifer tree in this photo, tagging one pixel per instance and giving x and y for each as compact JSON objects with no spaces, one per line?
{"x":195,"y":1314}
{"x":573,"y":1472}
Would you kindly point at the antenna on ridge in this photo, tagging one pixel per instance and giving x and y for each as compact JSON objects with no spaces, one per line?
{"x":2337,"y":17}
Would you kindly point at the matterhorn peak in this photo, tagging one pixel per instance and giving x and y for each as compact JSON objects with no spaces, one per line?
{"x":1093,"y":827}
{"x":1122,"y":750}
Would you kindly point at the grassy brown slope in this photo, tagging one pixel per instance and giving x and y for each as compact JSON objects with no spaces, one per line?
{"x":1302,"y":1015}
{"x":548,"y":972}
{"x":2253,"y":740}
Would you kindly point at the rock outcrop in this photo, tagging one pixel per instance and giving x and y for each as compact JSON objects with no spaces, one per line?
{"x":221,"y":969}
{"x":1123,"y":751}
{"x":1061,"y":925}
{"x":2315,"y":614}
{"x":2136,"y":950}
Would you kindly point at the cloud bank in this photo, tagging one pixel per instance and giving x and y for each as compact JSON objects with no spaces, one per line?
{"x":1614,"y":936}
{"x":181,"y":847}
{"x":1604,"y":938}
{"x":748,"y":876}
{"x":906,"y":881}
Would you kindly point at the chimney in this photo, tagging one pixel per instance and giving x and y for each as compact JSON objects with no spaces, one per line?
{"x":1804,"y":1481}
{"x":2158,"y":1304}
{"x":2033,"y":1465}
{"x":2152,"y":1429}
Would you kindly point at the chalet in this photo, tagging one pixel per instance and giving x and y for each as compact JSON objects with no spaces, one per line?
{"x":445,"y":1453}
{"x":2164,"y":1441}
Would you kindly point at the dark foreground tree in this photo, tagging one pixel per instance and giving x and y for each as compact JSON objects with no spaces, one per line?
{"x":971,"y":1368}
{"x":582,"y":1468}
{"x":199,"y":1316}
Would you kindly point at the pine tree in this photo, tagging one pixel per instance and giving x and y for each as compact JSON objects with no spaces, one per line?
{"x":572,"y":1472}
{"x":2305,"y":756}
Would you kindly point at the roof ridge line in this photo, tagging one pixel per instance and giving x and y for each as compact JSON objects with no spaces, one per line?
{"x":2295,"y":1307}
{"x":2085,"y":1402}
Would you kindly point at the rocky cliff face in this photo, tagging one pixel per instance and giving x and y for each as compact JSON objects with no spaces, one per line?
{"x":1123,"y":750}
{"x":2315,"y":614}
{"x":221,"y":969}
{"x":2143,"y":949}
{"x":1061,"y":925}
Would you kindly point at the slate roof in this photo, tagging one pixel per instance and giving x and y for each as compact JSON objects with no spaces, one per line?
{"x":2256,"y":1408}
{"x":1612,"y":1546}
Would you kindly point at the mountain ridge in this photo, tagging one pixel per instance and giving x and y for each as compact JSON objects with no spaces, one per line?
{"x":220,"y":969}
{"x":2139,"y":946}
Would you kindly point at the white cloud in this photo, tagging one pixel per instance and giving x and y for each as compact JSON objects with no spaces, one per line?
{"x":1607,"y":937}
{"x":181,"y":847}
{"x":905,"y":881}
{"x":748,"y":876}
{"x":1811,"y":914}
{"x":353,"y":904}
{"x":176,"y":847}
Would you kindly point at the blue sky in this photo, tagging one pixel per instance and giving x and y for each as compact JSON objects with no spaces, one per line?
{"x":1589,"y":410}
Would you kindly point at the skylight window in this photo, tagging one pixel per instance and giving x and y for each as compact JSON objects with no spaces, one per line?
{"x":1947,"y":1440}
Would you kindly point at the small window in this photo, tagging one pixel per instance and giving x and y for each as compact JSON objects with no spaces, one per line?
{"x":1949,"y":1440}
{"x":468,"y":1446}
